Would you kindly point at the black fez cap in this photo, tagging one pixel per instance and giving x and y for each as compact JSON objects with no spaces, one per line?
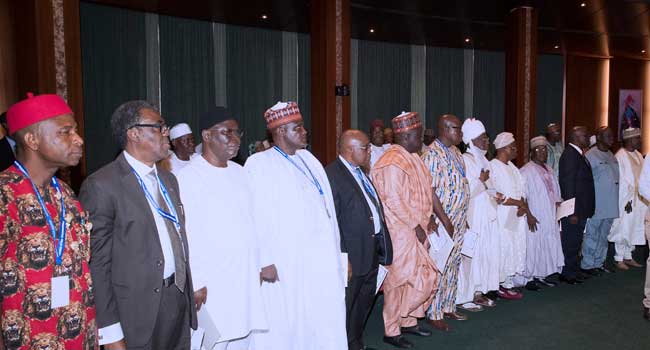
{"x":215,"y":115}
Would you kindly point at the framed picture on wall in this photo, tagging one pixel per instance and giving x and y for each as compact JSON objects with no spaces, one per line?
{"x":630,"y":103}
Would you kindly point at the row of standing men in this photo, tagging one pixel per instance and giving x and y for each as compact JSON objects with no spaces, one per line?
{"x":312,"y":237}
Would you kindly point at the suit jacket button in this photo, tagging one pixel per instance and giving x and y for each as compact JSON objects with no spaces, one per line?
{"x":372,"y":218}
{"x":157,"y":290}
{"x":159,"y":263}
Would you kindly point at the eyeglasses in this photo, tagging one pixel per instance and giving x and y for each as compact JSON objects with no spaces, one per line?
{"x":162,"y":127}
{"x":231,"y":132}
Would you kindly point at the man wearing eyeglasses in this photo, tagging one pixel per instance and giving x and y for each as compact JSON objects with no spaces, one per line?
{"x":215,"y":190}
{"x":140,"y":266}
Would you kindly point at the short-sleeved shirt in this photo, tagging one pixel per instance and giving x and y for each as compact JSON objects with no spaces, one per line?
{"x":28,"y":264}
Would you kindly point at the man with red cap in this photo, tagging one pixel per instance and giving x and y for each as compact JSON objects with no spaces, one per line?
{"x":303,"y":270}
{"x":404,"y":187}
{"x":47,"y":298}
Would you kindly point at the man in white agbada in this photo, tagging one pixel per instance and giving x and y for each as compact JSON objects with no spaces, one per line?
{"x":512,"y":216}
{"x":300,"y":253}
{"x":221,"y":233}
{"x":544,"y":255}
{"x":377,"y":146}
{"x":479,"y":274}
{"x":182,"y":151}
{"x":629,"y":229}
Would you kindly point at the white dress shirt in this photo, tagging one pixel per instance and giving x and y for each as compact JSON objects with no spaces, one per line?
{"x":576,"y":147}
{"x":113,"y":333}
{"x":375,"y":214}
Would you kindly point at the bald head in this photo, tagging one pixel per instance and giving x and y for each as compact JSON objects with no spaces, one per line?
{"x":449,"y":130}
{"x":579,"y":136}
{"x":354,"y":147}
{"x":604,"y":138}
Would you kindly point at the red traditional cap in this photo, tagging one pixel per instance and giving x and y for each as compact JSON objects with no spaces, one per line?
{"x":35,"y":109}
{"x":282,"y":113}
{"x":406,"y":121}
{"x":377,"y":123}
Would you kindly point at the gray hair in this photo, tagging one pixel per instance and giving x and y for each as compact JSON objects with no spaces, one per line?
{"x":125,"y":117}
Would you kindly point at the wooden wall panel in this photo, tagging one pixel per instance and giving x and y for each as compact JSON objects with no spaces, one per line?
{"x":8,"y":83}
{"x":586,"y":92}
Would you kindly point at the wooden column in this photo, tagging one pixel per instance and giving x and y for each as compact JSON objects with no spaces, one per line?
{"x":521,"y":78}
{"x":330,"y":67}
{"x":48,"y":59}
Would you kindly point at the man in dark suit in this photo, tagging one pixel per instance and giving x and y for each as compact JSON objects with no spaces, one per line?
{"x":364,"y":235}
{"x":576,"y":181}
{"x":140,"y":265}
{"x":7,"y":156}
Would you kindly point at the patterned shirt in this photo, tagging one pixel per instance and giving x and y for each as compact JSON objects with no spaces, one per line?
{"x":28,"y":264}
{"x":447,"y":168}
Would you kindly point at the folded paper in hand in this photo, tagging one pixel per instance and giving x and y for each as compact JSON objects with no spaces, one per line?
{"x":441,"y":246}
{"x":206,"y":335}
{"x":382,"y":271}
{"x":469,"y":242}
{"x":568,"y":207}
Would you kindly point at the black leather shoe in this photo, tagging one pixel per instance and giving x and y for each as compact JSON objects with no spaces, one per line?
{"x":582,"y":276}
{"x":416,"y":330}
{"x":569,"y":280}
{"x":646,"y":313}
{"x":398,"y":341}
{"x":533,"y":286}
{"x":604,"y":270}
{"x":590,"y":272}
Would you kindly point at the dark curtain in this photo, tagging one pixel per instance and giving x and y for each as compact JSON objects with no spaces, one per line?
{"x":550,"y":83}
{"x":384,"y":79}
{"x":114,"y":71}
{"x":254,"y":78}
{"x":445,"y":84}
{"x":304,"y":78}
{"x":489,"y":90}
{"x":187,"y":87}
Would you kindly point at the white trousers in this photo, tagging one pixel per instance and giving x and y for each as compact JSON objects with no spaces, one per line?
{"x":623,"y":251}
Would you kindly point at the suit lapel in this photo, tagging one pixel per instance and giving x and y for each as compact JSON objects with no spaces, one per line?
{"x":135,"y":194}
{"x":351,"y":180}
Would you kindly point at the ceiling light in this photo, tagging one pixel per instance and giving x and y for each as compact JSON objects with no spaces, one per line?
{"x":642,"y":51}
{"x":467,"y":40}
{"x":583,"y":4}
{"x":372,"y":30}
{"x":556,"y":46}
{"x":265,"y":17}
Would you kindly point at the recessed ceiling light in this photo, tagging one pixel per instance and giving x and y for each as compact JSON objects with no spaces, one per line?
{"x":467,"y":40}
{"x":372,"y":30}
{"x":265,"y":17}
{"x":556,"y":46}
{"x":583,"y":4}
{"x":642,"y":51}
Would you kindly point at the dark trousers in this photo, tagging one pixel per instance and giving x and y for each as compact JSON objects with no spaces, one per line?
{"x":172,"y":329}
{"x":359,"y":298}
{"x":571,"y":244}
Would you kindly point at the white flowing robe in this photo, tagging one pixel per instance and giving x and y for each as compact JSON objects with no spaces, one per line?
{"x":629,"y":229}
{"x":224,"y":251}
{"x":306,"y":307}
{"x":544,"y":254}
{"x":483,"y":273}
{"x":508,"y":181}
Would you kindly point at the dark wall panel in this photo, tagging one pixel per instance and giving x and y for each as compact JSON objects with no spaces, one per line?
{"x":550,"y":87}
{"x":445,"y":83}
{"x":114,"y":71}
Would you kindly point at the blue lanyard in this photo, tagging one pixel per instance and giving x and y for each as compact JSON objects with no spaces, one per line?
{"x":173,"y":217}
{"x":455,"y":160}
{"x":60,"y":241}
{"x":366,"y":184}
{"x":313,"y":179}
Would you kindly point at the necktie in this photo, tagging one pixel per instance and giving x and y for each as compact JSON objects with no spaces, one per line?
{"x":174,"y":236}
{"x":367,"y":187}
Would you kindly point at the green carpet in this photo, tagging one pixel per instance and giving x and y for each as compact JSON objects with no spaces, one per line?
{"x":603,"y":313}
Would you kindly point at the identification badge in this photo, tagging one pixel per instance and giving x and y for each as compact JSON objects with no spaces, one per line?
{"x":60,"y":291}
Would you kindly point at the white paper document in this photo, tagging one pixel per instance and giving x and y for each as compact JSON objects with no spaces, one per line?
{"x":566,"y":208}
{"x":469,"y":242}
{"x":382,"y":271}
{"x":344,"y":264}
{"x":441,"y":246}
{"x":206,"y":335}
